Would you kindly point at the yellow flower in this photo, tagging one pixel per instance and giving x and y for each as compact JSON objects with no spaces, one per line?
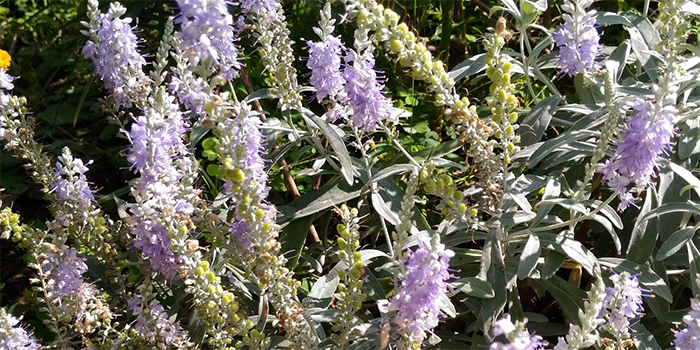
{"x":4,"y":59}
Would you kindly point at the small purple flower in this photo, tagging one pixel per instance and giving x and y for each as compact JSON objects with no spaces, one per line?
{"x":688,"y":338}
{"x":518,"y":336}
{"x":247,"y":144}
{"x":416,"y":299}
{"x":638,"y":154}
{"x":153,"y":324}
{"x":622,"y":302}
{"x":71,"y":185}
{"x":208,"y":35}
{"x":577,"y":39}
{"x":159,"y":154}
{"x":190,"y":91}
{"x":257,"y":6}
{"x":13,"y":337}
{"x":66,"y":270}
{"x":364,"y":92}
{"x":156,"y":142}
{"x":325,"y":60}
{"x":113,"y":51}
{"x":154,"y":242}
{"x":239,"y":229}
{"x":6,"y":80}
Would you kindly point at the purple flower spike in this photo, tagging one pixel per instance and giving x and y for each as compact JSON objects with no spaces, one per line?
{"x":153,"y":323}
{"x":71,"y":185}
{"x":518,"y":336}
{"x":577,"y":39}
{"x":159,"y":154}
{"x":638,"y":154}
{"x":257,"y":6}
{"x":14,"y":337}
{"x":325,"y":60}
{"x":364,"y":92}
{"x":208,"y":35}
{"x":622,"y":302}
{"x":113,"y":51}
{"x":689,"y":337}
{"x":416,"y":300}
{"x":65,"y":270}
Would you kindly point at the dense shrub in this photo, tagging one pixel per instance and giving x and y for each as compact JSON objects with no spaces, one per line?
{"x":308,"y":175}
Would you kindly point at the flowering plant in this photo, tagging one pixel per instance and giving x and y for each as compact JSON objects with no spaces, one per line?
{"x":351,"y":186}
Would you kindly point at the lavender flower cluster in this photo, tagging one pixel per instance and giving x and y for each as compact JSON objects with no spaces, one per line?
{"x":152,"y":323}
{"x":13,"y":336}
{"x":622,"y":302}
{"x":112,"y":48}
{"x":424,"y":283}
{"x":355,"y":86}
{"x":577,"y":39}
{"x":518,"y":336}
{"x":637,"y":156}
{"x":207,"y":36}
{"x":159,"y":154}
{"x":688,"y":338}
{"x":238,"y":227}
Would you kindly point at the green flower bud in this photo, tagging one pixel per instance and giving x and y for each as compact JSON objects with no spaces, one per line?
{"x":396,"y":45}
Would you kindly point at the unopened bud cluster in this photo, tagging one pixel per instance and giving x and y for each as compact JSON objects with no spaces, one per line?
{"x":503,"y":101}
{"x":350,"y":295}
{"x":586,"y":335}
{"x":455,"y":204}
{"x":216,"y":307}
{"x":403,"y":228}
{"x":272,"y":33}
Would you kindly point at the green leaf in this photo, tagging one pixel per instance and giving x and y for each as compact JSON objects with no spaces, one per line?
{"x":668,"y":208}
{"x":643,"y":240}
{"x":551,"y":191}
{"x":293,"y":238}
{"x":646,"y":276}
{"x":197,"y":133}
{"x":689,"y":138}
{"x":338,"y":145}
{"x":552,"y":264}
{"x":567,"y":203}
{"x":390,"y":171}
{"x":529,"y":257}
{"x":262,"y":94}
{"x":537,"y":120}
{"x":643,"y":339}
{"x":694,"y":260}
{"x":513,"y":218}
{"x":553,"y":145}
{"x":329,"y":195}
{"x":387,"y":203}
{"x":571,"y":248}
{"x":569,"y":298}
{"x":618,"y":60}
{"x":473,"y":65}
{"x":325,"y":286}
{"x":446,"y":305}
{"x":675,"y":242}
{"x":213,"y":169}
{"x":475,"y":287}
{"x":691,"y":179}
{"x":607,"y":211}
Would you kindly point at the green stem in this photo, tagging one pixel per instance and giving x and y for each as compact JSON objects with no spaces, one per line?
{"x":526,"y":62}
{"x":447,"y":10}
